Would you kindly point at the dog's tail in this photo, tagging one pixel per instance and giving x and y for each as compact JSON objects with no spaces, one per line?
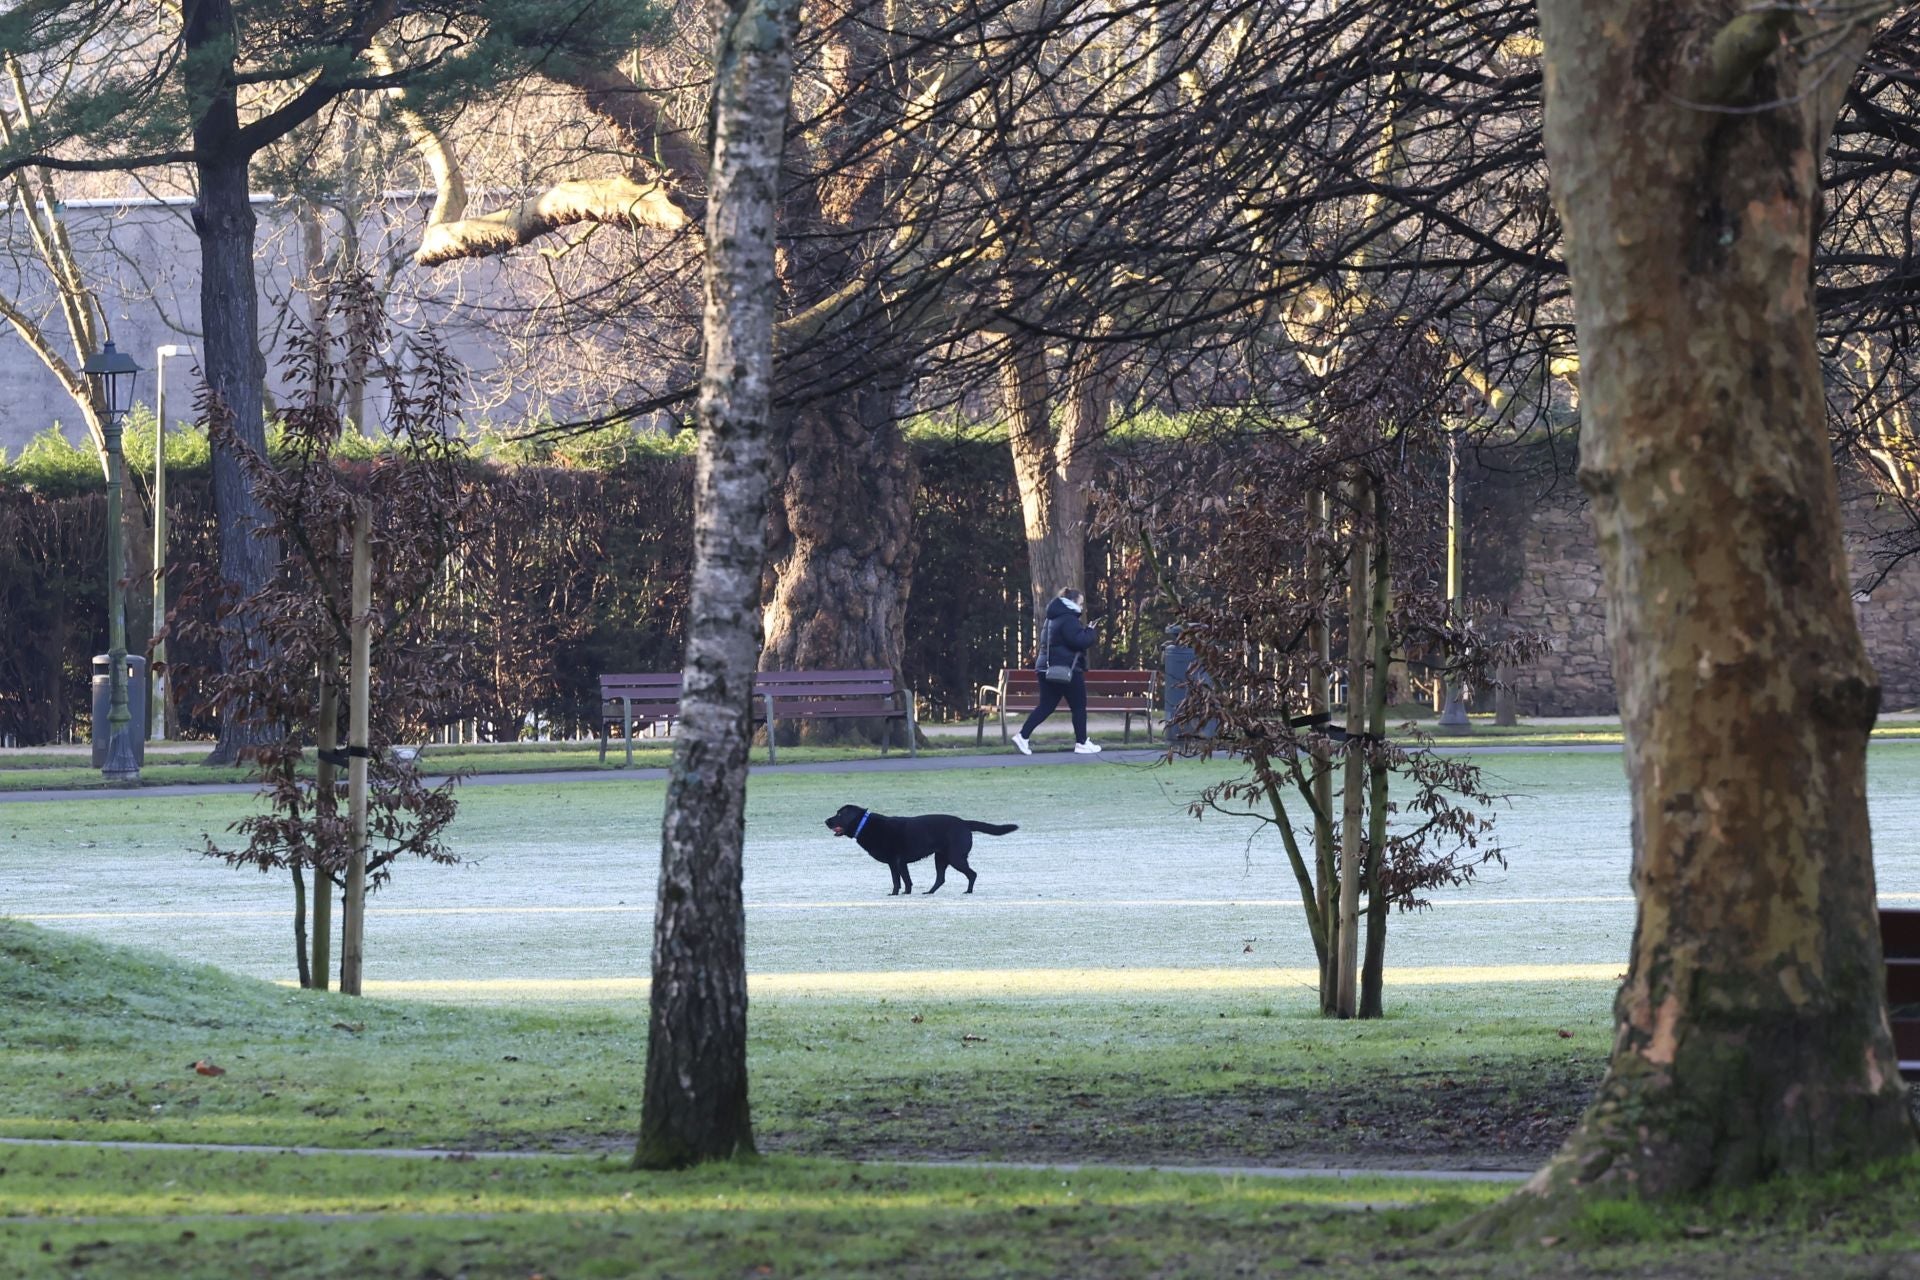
{"x":994,"y":828}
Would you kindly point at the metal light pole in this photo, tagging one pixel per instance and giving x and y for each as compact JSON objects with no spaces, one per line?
{"x":110,"y":376}
{"x":1453,"y":710}
{"x":157,"y":704}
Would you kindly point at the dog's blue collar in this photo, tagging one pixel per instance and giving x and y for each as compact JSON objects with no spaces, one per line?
{"x":863,"y":822}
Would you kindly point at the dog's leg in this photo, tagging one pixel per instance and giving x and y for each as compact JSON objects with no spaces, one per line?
{"x":939,"y":872}
{"x":906,"y":879}
{"x":894,"y":868}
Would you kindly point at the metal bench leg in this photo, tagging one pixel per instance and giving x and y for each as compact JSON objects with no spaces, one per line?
{"x":1126,"y":732}
{"x":605,"y":729}
{"x":626,"y":719}
{"x":913,"y":730}
{"x":772,"y":756}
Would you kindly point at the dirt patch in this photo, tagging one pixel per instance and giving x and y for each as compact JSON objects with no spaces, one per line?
{"x":1406,"y":1121}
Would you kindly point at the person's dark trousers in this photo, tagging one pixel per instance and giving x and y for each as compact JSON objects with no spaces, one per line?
{"x":1075,"y":692}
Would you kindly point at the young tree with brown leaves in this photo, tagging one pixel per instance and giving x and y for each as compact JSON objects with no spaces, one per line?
{"x":407,"y":506}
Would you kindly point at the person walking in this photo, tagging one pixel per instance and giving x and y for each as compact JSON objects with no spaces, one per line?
{"x":1062,"y":664}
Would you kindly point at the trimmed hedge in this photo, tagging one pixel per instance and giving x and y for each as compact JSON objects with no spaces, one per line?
{"x":576,"y":565}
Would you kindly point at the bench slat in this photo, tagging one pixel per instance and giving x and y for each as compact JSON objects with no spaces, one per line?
{"x":784,"y":709}
{"x":1906,"y":1045}
{"x":1903,"y":983}
{"x":648,"y":696}
{"x":1900,"y":931}
{"x":823,"y":677}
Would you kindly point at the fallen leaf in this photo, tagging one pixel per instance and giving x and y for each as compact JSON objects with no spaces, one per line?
{"x":355,"y":1027}
{"x":1564,"y":1034}
{"x":208,"y":1069}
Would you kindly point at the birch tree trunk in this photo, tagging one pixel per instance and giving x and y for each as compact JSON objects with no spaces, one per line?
{"x":1319,"y":694}
{"x":1379,"y":643}
{"x":1353,"y":795}
{"x":1751,"y":1033}
{"x":694,"y":1106}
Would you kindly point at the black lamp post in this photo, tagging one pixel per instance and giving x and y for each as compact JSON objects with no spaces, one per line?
{"x":110,"y":377}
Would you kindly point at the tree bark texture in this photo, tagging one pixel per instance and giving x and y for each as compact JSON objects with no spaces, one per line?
{"x":1380,"y":644}
{"x":229,"y":314}
{"x":694,"y":1107}
{"x":325,"y":804}
{"x":1751,"y":1032}
{"x":353,"y":909}
{"x":842,"y":540}
{"x":1053,"y":470}
{"x":1319,"y":701}
{"x":1353,"y":793}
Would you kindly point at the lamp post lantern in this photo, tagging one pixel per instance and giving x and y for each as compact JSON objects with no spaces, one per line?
{"x":110,"y":377}
{"x":157,"y":701}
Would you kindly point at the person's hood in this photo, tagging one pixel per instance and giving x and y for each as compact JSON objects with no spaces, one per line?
{"x":1061,"y":608}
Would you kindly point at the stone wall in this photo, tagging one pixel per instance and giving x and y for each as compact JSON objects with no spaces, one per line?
{"x":1554,"y":585}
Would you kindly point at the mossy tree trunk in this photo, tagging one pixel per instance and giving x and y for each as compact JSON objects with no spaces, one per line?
{"x":694,"y":1102}
{"x":1751,"y":1032}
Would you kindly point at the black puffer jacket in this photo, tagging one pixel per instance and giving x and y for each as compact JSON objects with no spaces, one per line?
{"x":1065,"y":640}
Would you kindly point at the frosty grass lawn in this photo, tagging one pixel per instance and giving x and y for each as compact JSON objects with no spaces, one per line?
{"x":1126,"y":986}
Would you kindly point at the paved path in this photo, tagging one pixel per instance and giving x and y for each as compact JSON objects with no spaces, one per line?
{"x":875,"y":764}
{"x":1049,"y":1166}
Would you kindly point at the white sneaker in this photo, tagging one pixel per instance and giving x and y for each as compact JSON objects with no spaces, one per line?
{"x":1086,"y":748}
{"x":1021,"y":745}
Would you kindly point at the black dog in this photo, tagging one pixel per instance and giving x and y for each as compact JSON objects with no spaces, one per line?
{"x":898,"y":841}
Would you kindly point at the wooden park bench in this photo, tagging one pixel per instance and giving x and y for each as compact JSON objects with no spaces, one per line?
{"x":833,"y":695}
{"x":1017,"y":692}
{"x":645,"y":698}
{"x":1900,"y":940}
{"x":649,"y":698}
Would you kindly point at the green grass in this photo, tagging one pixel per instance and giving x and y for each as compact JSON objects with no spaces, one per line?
{"x":167,"y":1215}
{"x":97,"y":1041}
{"x":100,"y":1043}
{"x":34,"y":771}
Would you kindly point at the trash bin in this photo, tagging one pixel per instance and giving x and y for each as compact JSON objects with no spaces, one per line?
{"x":1177,"y":669}
{"x":136,"y":707}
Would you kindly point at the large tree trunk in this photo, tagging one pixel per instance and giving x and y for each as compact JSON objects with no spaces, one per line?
{"x":695,"y":1103}
{"x":842,"y":549}
{"x":1053,"y":472}
{"x":229,"y":317}
{"x":1752,"y":1036}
